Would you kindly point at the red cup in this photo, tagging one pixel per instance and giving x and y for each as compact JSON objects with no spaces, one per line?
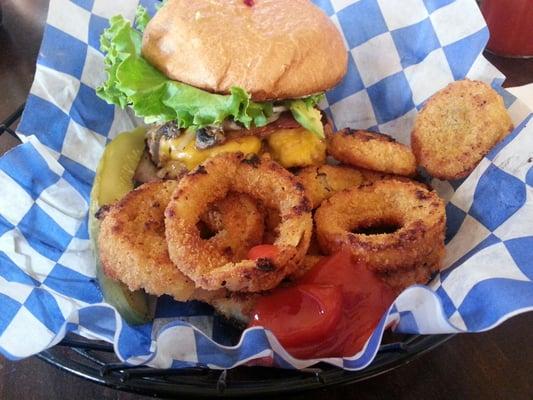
{"x":510,"y":24}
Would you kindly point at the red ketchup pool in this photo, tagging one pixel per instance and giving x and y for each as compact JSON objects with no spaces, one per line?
{"x":330,"y":312}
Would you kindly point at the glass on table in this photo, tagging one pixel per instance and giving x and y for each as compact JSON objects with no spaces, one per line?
{"x":510,"y":25}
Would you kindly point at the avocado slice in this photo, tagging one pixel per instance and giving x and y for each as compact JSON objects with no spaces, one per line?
{"x":308,"y":116}
{"x":114,"y":178}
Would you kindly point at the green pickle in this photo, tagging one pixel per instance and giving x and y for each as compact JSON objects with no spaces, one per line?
{"x":114,"y":178}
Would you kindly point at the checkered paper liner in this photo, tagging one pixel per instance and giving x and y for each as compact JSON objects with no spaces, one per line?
{"x":401,"y":52}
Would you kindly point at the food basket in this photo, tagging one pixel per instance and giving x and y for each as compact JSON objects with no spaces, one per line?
{"x":446,"y":306}
{"x":96,"y":361}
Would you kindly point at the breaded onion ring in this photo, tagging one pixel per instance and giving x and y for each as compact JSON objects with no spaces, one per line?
{"x":237,"y":223}
{"x":417,"y":213}
{"x":457,"y":127}
{"x":371,"y":150}
{"x":265,"y":181}
{"x":236,"y":307}
{"x":133,"y":246}
{"x":132,"y":243}
{"x":307,"y":265}
{"x":272,"y":221}
{"x":402,"y":279}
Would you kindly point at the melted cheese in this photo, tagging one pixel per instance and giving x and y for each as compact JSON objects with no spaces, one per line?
{"x":183,"y":149}
{"x":297,"y":148}
{"x":290,"y":147}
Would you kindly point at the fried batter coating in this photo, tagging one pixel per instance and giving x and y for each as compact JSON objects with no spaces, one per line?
{"x":324,"y":181}
{"x":238,"y":224}
{"x":272,"y":221}
{"x":371,"y":150}
{"x":237,"y":307}
{"x":457,"y":127}
{"x":321,"y":182}
{"x":401,"y":279}
{"x":133,"y":247}
{"x":263,"y":180}
{"x":416,"y":215}
{"x":307,"y":265}
{"x":132,"y":243}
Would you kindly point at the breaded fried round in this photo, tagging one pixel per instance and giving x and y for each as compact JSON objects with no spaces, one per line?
{"x":402,"y":279}
{"x":133,"y":246}
{"x":272,"y":221}
{"x":264,"y":180}
{"x":324,"y":181}
{"x":321,"y":182}
{"x":308,"y":264}
{"x":132,"y":243}
{"x":397,"y":280}
{"x":371,"y":150}
{"x":457,"y":127}
{"x":416,"y":215}
{"x":237,"y":222}
{"x":237,"y":307}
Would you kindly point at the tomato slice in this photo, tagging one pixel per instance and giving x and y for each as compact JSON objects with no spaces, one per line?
{"x":300,"y":314}
{"x":262,"y":251}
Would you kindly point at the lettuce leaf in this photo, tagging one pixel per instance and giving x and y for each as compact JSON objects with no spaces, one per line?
{"x":141,"y":18}
{"x":133,"y":81}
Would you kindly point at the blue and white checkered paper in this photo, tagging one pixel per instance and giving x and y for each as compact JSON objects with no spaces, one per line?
{"x":401,"y":51}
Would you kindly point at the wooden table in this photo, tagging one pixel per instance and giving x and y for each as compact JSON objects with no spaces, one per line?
{"x":493,"y":365}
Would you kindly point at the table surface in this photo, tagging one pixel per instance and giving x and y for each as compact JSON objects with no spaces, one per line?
{"x":491,"y":365}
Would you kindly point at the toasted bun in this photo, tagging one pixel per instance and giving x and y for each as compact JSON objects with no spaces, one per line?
{"x":274,"y":49}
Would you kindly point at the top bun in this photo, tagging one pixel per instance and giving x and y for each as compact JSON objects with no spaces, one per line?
{"x":275,"y":49}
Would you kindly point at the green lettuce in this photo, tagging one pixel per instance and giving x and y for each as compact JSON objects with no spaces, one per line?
{"x":142,"y":17}
{"x":133,"y":81}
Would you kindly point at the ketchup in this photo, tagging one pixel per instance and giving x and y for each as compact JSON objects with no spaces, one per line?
{"x":330,"y":312}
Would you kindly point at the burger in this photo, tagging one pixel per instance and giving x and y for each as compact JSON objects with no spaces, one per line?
{"x":215,"y":76}
{"x":208,"y":77}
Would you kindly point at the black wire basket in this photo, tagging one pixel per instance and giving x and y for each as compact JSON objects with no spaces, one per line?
{"x":96,"y":361}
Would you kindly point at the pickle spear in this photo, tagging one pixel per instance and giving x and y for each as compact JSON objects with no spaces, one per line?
{"x":114,"y":178}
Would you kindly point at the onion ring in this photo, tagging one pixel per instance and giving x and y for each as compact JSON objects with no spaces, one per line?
{"x":132,"y":243}
{"x":236,"y":307}
{"x":265,"y":181}
{"x":144,"y":263}
{"x":272,"y":221}
{"x":238,"y":224}
{"x":418,"y":214}
{"x":371,"y":150}
{"x":307,"y":265}
{"x":400,"y":280}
